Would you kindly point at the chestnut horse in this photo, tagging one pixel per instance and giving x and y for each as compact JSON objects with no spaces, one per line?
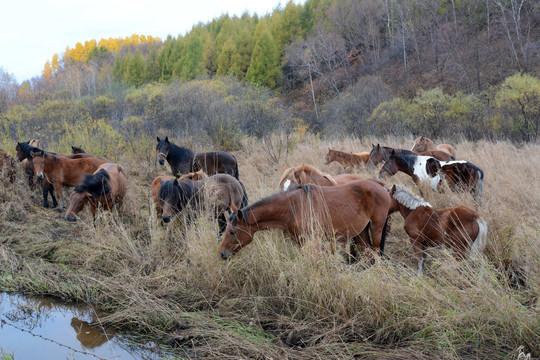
{"x":459,"y":228}
{"x":423,"y":144}
{"x":182,"y":160}
{"x":343,"y":212}
{"x":459,"y":174}
{"x":382,"y":153}
{"x":62,"y":171}
{"x":220,"y":191}
{"x":160,"y":180}
{"x":7,"y":166}
{"x":306,"y":174}
{"x":346,"y":159}
{"x":106,"y":187}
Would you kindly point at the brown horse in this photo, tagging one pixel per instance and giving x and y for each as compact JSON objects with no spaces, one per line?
{"x":460,"y":228}
{"x":382,"y":153}
{"x":106,"y":187}
{"x":346,"y":159}
{"x":220,"y":191}
{"x":61,"y":171}
{"x":343,"y":212}
{"x":182,"y":160}
{"x":423,"y":144}
{"x":306,"y":174}
{"x":156,"y":185}
{"x":194,"y":176}
{"x":7,"y":166}
{"x":459,"y":174}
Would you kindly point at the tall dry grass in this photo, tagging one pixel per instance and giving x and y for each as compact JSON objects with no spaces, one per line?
{"x":274,"y":300}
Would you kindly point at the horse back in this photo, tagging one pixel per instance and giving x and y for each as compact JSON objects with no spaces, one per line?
{"x":71,"y":171}
{"x":215,"y":162}
{"x":447,"y":148}
{"x":439,"y":155}
{"x":224,"y":187}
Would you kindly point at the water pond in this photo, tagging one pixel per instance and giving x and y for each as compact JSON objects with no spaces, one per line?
{"x":43,"y":328}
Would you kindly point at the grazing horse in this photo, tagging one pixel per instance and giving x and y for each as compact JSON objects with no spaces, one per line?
{"x":381,"y":153}
{"x":459,"y":174}
{"x":423,"y":144}
{"x":156,"y":185}
{"x":346,"y":159}
{"x":59,"y":170}
{"x":221,"y":191}
{"x":343,"y":212}
{"x":182,"y":160}
{"x":306,"y":174}
{"x":106,"y":187}
{"x":459,"y":228}
{"x":7,"y":164}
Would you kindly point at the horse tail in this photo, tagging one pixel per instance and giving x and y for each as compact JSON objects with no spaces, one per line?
{"x":385,"y":229}
{"x":479,"y":186}
{"x":236,"y":175}
{"x":479,"y":243}
{"x":244,"y":196}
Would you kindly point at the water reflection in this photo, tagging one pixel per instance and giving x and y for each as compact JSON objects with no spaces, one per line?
{"x":43,"y":328}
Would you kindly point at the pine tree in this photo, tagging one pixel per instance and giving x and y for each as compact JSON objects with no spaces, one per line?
{"x":264,"y":67}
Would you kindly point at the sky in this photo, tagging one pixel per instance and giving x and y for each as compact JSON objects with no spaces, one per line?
{"x":32,"y":31}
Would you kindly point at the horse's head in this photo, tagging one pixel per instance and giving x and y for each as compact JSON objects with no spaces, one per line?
{"x":420,"y":144}
{"x":389,"y":168}
{"x":20,"y":152}
{"x":79,"y":197}
{"x":173,"y":196}
{"x":38,"y":159}
{"x":237,"y":234}
{"x":162,"y":149}
{"x":331,"y":156}
{"x":375,"y":156}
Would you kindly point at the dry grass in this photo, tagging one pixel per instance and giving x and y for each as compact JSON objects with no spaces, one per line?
{"x":274,"y":300}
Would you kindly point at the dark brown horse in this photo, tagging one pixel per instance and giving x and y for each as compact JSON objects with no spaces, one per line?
{"x":160,"y":180}
{"x":460,"y":228}
{"x":182,"y":160}
{"x":460,"y":175}
{"x":346,"y":159}
{"x":220,"y":191}
{"x":342,"y":212}
{"x":105,"y":188}
{"x":61,"y":171}
{"x":382,"y":153}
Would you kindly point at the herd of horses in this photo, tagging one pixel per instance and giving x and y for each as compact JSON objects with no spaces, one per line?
{"x":347,"y":208}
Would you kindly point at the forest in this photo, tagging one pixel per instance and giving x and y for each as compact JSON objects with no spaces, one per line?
{"x":334,"y":67}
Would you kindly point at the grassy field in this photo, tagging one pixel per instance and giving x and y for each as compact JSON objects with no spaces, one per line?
{"x":274,"y":300}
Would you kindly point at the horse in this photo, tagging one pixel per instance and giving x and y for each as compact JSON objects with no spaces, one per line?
{"x":381,"y":153}
{"x":343,"y":212}
{"x":105,"y":187}
{"x":346,"y":159}
{"x":306,"y":174}
{"x":423,"y":144}
{"x":459,"y":174}
{"x":7,"y":166}
{"x":459,"y":228}
{"x":195,"y":176}
{"x":220,"y":191}
{"x":59,"y":170}
{"x":156,"y":185}
{"x":182,"y":160}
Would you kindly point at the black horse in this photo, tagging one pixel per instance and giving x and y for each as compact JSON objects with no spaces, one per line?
{"x":182,"y":160}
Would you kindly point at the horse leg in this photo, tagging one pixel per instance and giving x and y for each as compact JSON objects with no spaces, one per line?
{"x":58,"y":189}
{"x":420,"y":257}
{"x":51,"y":191}
{"x":45,"y":192}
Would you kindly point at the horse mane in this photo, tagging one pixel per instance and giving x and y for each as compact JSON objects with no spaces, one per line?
{"x":183,"y":192}
{"x":28,"y":149}
{"x":97,"y":184}
{"x":408,"y":199}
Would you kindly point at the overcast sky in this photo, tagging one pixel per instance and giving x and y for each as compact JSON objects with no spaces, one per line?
{"x":32,"y":31}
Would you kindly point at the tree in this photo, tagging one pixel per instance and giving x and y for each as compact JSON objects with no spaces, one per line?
{"x":264,"y":66}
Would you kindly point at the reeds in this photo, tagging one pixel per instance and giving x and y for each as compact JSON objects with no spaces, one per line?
{"x":275,"y":300}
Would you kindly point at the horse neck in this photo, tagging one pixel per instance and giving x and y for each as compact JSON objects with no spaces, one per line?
{"x":264,"y":215}
{"x":402,"y":166}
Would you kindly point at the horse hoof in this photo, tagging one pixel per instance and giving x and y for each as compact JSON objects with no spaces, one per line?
{"x":46,"y":206}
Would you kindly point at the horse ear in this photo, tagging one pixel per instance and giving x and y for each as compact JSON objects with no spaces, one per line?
{"x":158,"y":139}
{"x":175,"y":182}
{"x":393,"y":152}
{"x":233,"y":207}
{"x":393,"y":190}
{"x":378,"y":146}
{"x":166,"y":139}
